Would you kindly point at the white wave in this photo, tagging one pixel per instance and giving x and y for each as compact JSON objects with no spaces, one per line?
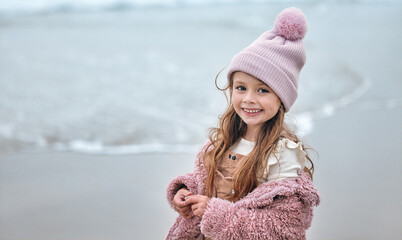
{"x":305,"y":120}
{"x":83,"y":146}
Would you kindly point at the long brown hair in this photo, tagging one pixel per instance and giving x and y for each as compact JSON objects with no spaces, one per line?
{"x":231,"y":129}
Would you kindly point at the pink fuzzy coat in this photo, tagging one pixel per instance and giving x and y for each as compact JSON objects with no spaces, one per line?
{"x":275,"y":210}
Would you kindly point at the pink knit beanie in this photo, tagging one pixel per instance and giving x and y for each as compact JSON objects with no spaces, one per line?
{"x":277,"y":56}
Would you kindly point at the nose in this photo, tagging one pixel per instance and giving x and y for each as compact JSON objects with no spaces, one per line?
{"x":249,"y":97}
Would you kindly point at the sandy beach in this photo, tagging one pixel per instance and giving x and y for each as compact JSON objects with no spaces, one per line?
{"x":80,"y":196}
{"x":62,"y":195}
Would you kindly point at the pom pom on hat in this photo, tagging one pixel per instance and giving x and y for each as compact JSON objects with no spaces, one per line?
{"x":291,"y":24}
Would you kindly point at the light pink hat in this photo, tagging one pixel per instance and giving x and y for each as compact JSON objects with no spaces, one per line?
{"x":277,"y":56}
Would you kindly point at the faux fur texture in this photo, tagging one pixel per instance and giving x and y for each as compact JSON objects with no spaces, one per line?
{"x":275,"y":210}
{"x":291,"y":24}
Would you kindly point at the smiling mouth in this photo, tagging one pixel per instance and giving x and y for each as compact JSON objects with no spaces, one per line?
{"x":252,"y":110}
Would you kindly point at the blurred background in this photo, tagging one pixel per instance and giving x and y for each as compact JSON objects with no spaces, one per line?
{"x":103,"y":102}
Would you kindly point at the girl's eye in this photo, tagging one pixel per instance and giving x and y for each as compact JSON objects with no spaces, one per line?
{"x":241,"y":88}
{"x":262,"y":90}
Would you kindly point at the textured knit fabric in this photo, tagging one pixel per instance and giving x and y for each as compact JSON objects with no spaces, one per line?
{"x":274,"y":210}
{"x":277,"y":56}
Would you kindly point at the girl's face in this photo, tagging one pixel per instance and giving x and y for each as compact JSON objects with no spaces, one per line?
{"x":253,"y":100}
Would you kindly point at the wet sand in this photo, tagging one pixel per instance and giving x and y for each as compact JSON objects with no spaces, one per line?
{"x":78,"y":196}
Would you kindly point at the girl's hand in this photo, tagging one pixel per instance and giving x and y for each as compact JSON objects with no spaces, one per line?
{"x":179,"y":204}
{"x":198,"y":204}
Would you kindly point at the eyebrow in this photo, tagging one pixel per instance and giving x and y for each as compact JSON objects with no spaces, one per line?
{"x":238,"y":81}
{"x":259,"y":84}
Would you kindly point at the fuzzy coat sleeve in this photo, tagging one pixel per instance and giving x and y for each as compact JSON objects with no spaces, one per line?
{"x":193,"y":181}
{"x":183,"y":228}
{"x":277,"y":210}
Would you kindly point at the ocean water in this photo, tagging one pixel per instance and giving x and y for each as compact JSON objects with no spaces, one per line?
{"x":35,"y":6}
{"x":141,"y":79}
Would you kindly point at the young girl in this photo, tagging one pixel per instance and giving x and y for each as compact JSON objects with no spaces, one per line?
{"x":251,"y":179}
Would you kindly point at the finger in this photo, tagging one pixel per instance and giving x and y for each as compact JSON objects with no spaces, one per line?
{"x":183,"y":196}
{"x":192,"y":199}
{"x":182,"y":204}
{"x":188,"y":207}
{"x":179,"y":209}
{"x":194,"y":207}
{"x":178,"y":199}
{"x":196,"y":212}
{"x":177,"y":204}
{"x":187,"y":212}
{"x":185,"y":209}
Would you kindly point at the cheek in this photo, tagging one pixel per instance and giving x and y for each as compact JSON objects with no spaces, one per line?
{"x":236,"y":101}
{"x":273,"y":104}
{"x":277,"y":105}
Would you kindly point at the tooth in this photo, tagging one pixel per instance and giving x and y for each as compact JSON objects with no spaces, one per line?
{"x":252,"y":111}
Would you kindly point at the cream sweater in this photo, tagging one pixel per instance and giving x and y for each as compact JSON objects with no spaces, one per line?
{"x":287,"y":162}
